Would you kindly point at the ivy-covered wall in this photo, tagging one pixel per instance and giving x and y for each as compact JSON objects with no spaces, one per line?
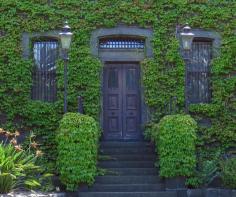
{"x":163,"y":76}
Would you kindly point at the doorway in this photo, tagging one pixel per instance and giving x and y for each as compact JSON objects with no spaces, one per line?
{"x":121,"y":101}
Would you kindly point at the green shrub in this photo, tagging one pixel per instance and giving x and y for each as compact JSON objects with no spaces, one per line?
{"x":229,"y":173}
{"x":77,"y":145}
{"x":176,"y":145}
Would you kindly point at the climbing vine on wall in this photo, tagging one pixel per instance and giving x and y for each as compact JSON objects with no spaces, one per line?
{"x":163,"y":75}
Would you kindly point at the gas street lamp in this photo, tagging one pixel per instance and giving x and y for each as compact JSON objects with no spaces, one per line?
{"x":187,"y":38}
{"x":65,"y":37}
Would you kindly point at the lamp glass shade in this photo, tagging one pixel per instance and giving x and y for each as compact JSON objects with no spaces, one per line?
{"x":187,"y":39}
{"x":65,"y":39}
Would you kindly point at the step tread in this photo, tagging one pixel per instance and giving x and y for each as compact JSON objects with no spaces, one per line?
{"x":127,"y":157}
{"x":128,"y":179}
{"x":126,"y":144}
{"x":132,"y":171}
{"x":127,"y":150}
{"x":110,"y":176}
{"x":129,"y":194}
{"x":124,"y":187}
{"x":125,"y":164}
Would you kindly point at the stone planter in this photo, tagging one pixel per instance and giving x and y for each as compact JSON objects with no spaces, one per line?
{"x":175,"y":183}
{"x":57,"y":184}
{"x":195,"y":193}
{"x":210,"y":192}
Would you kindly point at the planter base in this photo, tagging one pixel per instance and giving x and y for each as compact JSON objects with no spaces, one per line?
{"x":175,"y":183}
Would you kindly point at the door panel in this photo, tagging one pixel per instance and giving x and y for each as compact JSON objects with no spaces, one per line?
{"x":121,"y":101}
{"x":131,"y":101}
{"x":112,"y":102}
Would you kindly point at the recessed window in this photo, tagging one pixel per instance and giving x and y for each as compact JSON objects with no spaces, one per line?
{"x":198,"y":72}
{"x":121,"y":43}
{"x":45,"y":54}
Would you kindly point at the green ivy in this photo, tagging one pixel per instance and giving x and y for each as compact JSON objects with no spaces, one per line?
{"x":229,"y":172}
{"x":163,"y":75}
{"x":77,"y":145}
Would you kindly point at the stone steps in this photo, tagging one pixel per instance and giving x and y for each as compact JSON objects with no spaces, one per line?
{"x":127,"y":179}
{"x":129,"y":172}
{"x":129,"y":194}
{"x":126,"y":164}
{"x":133,"y":157}
{"x":127,"y":150}
{"x":124,"y":187}
{"x":111,"y":144}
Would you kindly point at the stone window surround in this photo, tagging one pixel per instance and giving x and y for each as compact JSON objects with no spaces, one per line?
{"x":27,"y":39}
{"x":213,"y":36}
{"x":125,"y":54}
{"x":135,"y":31}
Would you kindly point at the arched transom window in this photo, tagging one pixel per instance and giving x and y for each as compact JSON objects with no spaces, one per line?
{"x":121,"y":43}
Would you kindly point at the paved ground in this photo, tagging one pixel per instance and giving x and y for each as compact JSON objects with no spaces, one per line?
{"x":184,"y":193}
{"x":32,"y":194}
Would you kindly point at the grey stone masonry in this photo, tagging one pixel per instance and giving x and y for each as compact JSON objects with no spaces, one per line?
{"x":122,"y":55}
{"x":27,"y":38}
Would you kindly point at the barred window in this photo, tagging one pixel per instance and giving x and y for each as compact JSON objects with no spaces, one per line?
{"x":121,"y":43}
{"x":45,"y":54}
{"x":198,"y":72}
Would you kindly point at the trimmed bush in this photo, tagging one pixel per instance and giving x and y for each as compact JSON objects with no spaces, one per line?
{"x":176,"y":139}
{"x":229,"y":173}
{"x":77,"y":145}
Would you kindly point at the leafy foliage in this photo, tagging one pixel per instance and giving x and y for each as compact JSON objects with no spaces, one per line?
{"x":229,"y":172}
{"x":176,"y":143}
{"x":208,"y":168}
{"x":18,"y":167}
{"x":162,"y":76}
{"x":77,"y":140}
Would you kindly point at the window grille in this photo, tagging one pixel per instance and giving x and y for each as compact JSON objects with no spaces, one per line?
{"x":44,"y":72}
{"x":198,"y":72}
{"x":121,"y":43}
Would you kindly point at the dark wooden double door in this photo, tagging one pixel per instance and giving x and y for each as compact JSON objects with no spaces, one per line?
{"x":121,"y":101}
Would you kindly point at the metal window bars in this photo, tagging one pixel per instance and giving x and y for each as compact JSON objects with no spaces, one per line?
{"x":198,"y":72}
{"x":44,"y":71}
{"x":121,"y":43}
